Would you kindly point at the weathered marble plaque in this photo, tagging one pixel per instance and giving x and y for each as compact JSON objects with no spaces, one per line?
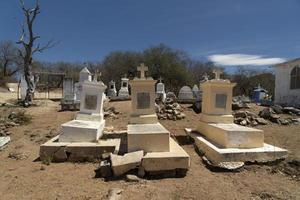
{"x":221,"y":100}
{"x":90,"y":102}
{"x":143,"y":100}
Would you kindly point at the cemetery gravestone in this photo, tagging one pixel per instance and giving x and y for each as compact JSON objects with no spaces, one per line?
{"x":186,"y":95}
{"x":123,"y":92}
{"x":160,"y":91}
{"x":112,"y":92}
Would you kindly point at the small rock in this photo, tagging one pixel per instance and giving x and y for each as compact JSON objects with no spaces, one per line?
{"x":240,"y":114}
{"x":261,"y":121}
{"x":141,"y":171}
{"x":132,"y":178}
{"x":114,"y":194}
{"x":104,"y":170}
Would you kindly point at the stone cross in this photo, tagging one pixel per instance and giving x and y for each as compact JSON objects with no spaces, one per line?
{"x":217,"y":73}
{"x":96,"y":76}
{"x":142,"y":68}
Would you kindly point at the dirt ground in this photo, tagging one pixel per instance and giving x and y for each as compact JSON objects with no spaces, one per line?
{"x":27,"y":178}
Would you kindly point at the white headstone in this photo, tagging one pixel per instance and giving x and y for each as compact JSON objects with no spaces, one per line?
{"x":123,"y":92}
{"x":68,"y":89}
{"x":111,"y":92}
{"x":160,"y":91}
{"x":185,"y":93}
{"x":89,"y":123}
{"x":84,"y":75}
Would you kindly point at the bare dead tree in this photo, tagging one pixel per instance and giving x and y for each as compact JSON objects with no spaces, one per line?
{"x":9,"y":59}
{"x":29,"y":47}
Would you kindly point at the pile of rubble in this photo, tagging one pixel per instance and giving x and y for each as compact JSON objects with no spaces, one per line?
{"x":240,"y":102}
{"x":13,"y":119}
{"x":266,"y":115}
{"x":247,"y":118}
{"x":111,"y":112}
{"x":272,"y":114}
{"x":169,"y":109}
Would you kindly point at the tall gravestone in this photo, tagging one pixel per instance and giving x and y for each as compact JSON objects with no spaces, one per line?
{"x":89,"y":122}
{"x":68,"y":90}
{"x":124,"y":92}
{"x":225,"y":141}
{"x":84,"y":75}
{"x":111,"y":92}
{"x":160,"y":91}
{"x":144,"y":132}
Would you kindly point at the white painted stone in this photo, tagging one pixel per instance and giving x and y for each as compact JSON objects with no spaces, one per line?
{"x":90,"y":122}
{"x":148,"y":137}
{"x":85,"y":75}
{"x":81,"y":131}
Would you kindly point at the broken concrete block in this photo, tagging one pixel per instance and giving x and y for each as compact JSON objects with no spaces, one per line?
{"x":132,"y":178}
{"x":114,"y":194}
{"x":122,"y":164}
{"x":4,"y":141}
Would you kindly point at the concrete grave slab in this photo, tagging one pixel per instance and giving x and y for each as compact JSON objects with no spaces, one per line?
{"x":81,"y":131}
{"x":148,"y":137}
{"x":176,"y":158}
{"x":217,"y":154}
{"x":77,"y":151}
{"x":232,"y":135}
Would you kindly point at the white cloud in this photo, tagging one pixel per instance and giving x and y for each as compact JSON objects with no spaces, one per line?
{"x":243,"y":59}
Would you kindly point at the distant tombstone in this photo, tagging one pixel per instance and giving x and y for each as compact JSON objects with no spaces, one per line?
{"x":68,"y":89}
{"x":111,"y":92}
{"x":196,"y":91}
{"x":185,"y":94}
{"x":123,"y":92}
{"x":160,"y":91}
{"x":23,"y":88}
{"x":84,"y":75}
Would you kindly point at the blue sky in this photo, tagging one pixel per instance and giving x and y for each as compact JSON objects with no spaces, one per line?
{"x":211,"y":29}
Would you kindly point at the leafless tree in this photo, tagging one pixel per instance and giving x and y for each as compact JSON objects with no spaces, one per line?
{"x":9,"y":59}
{"x":28,"y":41}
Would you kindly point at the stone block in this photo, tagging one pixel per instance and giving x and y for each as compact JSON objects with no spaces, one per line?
{"x":225,"y":119}
{"x":148,"y":137}
{"x":81,"y":131}
{"x":122,"y":164}
{"x":4,"y":141}
{"x":176,"y":158}
{"x":216,"y":154}
{"x":143,"y":119}
{"x":232,"y":135}
{"x":77,"y":151}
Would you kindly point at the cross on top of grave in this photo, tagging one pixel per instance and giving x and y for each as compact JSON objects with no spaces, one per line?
{"x":97,"y":74}
{"x":217,"y":73}
{"x":142,"y":68}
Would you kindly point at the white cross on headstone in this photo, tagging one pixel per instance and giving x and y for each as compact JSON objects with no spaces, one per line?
{"x":97,"y":74}
{"x":142,"y":68}
{"x":217,"y":73}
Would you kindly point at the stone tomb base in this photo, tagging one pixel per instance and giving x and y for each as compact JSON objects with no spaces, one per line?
{"x":232,"y":135}
{"x":81,"y":131}
{"x":175,"y":159}
{"x":217,"y":154}
{"x":148,"y":137}
{"x":143,"y":119}
{"x":57,"y":151}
